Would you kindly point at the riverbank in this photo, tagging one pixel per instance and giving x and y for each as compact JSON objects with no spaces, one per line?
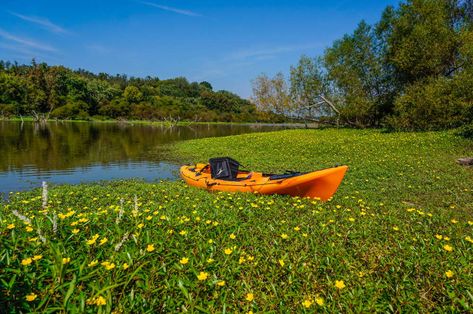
{"x":169,"y":123}
{"x":397,"y":236}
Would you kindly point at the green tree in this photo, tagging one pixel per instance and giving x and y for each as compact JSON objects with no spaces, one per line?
{"x":354,"y":67}
{"x":132,"y":94}
{"x":423,"y":42}
{"x":271,"y":95}
{"x":309,"y":89}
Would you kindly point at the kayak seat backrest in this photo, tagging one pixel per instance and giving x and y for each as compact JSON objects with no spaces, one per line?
{"x":224,"y":168}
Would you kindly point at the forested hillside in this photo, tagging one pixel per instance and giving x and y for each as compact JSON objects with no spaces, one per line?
{"x":412,"y":70}
{"x":41,"y":91}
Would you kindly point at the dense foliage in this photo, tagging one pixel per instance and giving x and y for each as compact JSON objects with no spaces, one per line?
{"x":411,"y":70}
{"x":40,"y":90}
{"x":397,"y":236}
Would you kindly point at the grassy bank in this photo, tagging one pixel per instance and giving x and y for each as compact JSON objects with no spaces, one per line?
{"x":396,"y":237}
{"x":417,"y":169}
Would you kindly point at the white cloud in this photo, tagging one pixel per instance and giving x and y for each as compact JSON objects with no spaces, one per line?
{"x":43,"y":22}
{"x":170,"y":9}
{"x":26,"y":42}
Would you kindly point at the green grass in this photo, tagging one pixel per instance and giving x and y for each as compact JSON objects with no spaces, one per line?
{"x":401,"y":221}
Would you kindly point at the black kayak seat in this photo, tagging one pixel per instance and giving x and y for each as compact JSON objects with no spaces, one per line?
{"x":224,"y":168}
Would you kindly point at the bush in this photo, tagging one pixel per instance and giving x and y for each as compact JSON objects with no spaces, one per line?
{"x":72,"y":110}
{"x":466,"y":131}
{"x":432,"y":105}
{"x":7,"y":110}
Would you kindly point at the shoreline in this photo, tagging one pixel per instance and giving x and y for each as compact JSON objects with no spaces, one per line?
{"x":167,"y":123}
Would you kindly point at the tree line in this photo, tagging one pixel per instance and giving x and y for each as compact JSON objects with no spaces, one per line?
{"x":44,"y":91}
{"x":412,"y":70}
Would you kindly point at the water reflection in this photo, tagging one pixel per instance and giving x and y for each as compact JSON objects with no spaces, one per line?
{"x":68,"y":152}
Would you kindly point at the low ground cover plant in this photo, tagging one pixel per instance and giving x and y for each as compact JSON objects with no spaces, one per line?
{"x":396,"y":237}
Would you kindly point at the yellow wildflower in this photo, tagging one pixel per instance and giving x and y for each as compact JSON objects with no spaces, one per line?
{"x":141,"y":225}
{"x":108,"y":265}
{"x":249,"y":297}
{"x":93,"y":263}
{"x":150,"y":248}
{"x":210,"y":241}
{"x":183,"y":232}
{"x":319,"y":301}
{"x":284,"y":236}
{"x":307,"y":303}
{"x":100,"y":301}
{"x":31,"y":297}
{"x":339,"y":284}
{"x":125,"y":266}
{"x":11,"y":226}
{"x":351,"y":219}
{"x":228,"y":251}
{"x":184,"y":260}
{"x":449,"y":274}
{"x":439,"y":236}
{"x":210,"y":260}
{"x":221,"y":283}
{"x":37,"y":257}
{"x":103,"y":241}
{"x":297,"y":228}
{"x":92,"y":240}
{"x":281,"y":262}
{"x":202,"y":275}
{"x":454,"y":221}
{"x":26,"y":261}
{"x":149,"y":217}
{"x":447,"y":248}
{"x":232,"y":236}
{"x":396,"y":228}
{"x":66,"y":260}
{"x":75,"y":231}
{"x":305,"y":235}
{"x":28,"y":229}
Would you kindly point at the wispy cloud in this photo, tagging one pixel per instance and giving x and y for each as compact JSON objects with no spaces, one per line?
{"x":247,"y":58}
{"x":267,"y":53}
{"x":170,"y":9}
{"x":25,"y":42}
{"x":41,"y":21}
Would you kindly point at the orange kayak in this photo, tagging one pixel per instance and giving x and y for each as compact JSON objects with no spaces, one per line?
{"x":320,"y":184}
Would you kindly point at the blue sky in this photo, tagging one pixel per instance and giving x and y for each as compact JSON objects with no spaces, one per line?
{"x":227,"y":43}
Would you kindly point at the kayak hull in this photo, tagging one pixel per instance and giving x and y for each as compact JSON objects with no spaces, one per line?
{"x":320,"y":184}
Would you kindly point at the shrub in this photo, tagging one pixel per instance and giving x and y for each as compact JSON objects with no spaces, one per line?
{"x":431,"y":105}
{"x":466,"y":131}
{"x":72,"y":110}
{"x":7,"y":110}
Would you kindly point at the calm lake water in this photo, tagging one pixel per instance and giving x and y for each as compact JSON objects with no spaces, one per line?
{"x":75,"y":152}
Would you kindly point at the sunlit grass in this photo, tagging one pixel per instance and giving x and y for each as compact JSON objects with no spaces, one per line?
{"x":379,"y":245}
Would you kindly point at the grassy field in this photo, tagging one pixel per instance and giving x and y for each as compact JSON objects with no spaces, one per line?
{"x":397,"y":236}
